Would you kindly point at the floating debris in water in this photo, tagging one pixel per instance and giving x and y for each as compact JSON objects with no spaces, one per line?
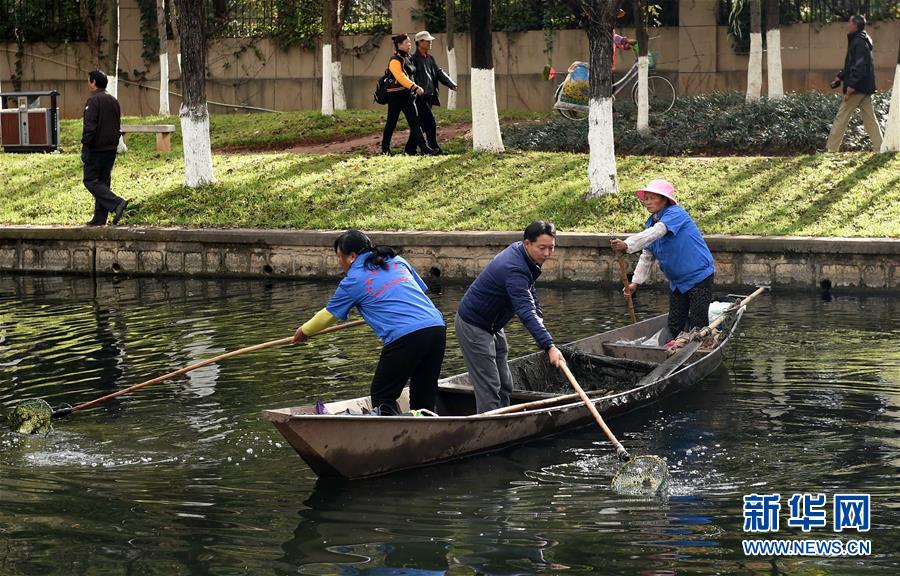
{"x":31,"y":417}
{"x":643,"y":475}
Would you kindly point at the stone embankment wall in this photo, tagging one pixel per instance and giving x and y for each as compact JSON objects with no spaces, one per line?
{"x":740,"y":260}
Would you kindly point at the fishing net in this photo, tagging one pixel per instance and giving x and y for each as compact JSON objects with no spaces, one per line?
{"x":642,"y":475}
{"x":31,"y":417}
{"x":595,"y":373}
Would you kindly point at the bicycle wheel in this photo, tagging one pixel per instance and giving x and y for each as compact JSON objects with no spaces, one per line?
{"x":660,"y":92}
{"x":568,"y":114}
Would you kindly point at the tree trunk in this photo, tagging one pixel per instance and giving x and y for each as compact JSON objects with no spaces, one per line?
{"x":329,"y":15}
{"x":485,"y":120}
{"x":600,"y":16}
{"x":754,"y":66}
{"x":773,"y":49}
{"x":640,"y":23}
{"x":341,"y":8}
{"x":891,"y":141}
{"x":113,"y":87}
{"x":198,"y":168}
{"x":173,"y":21}
{"x":451,"y":53}
{"x":163,"y":57}
{"x":93,"y":27}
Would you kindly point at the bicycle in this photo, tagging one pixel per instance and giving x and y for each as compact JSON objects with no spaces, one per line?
{"x":661,"y":93}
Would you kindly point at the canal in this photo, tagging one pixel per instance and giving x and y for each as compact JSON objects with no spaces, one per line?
{"x":184,"y":477}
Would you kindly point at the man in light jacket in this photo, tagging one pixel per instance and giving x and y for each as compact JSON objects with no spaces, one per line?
{"x":428,"y":75}
{"x":858,"y":78}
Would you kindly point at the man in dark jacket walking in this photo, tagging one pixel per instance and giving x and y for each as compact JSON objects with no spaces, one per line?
{"x":99,"y":141}
{"x":428,"y":75}
{"x":858,"y":78}
{"x":503,"y":289}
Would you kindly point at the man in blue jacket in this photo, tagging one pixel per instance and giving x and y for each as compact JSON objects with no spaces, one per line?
{"x":858,"y":78}
{"x":504,"y":288}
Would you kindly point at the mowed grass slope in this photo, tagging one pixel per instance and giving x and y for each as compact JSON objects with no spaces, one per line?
{"x":812,"y":195}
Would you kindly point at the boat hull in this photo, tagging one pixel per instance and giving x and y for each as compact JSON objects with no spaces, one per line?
{"x":361,"y":446}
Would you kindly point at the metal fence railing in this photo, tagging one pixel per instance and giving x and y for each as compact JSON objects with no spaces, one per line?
{"x":291,"y":19}
{"x":521,"y":15}
{"x":41,"y":20}
{"x":794,"y":11}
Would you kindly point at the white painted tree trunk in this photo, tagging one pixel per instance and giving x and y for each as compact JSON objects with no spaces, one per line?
{"x":485,"y":120}
{"x":602,"y":177}
{"x":327,"y":89}
{"x":113,"y":80}
{"x":198,"y":168}
{"x":178,"y":57}
{"x":643,"y":117}
{"x":451,"y":69}
{"x":164,"y":84}
{"x":754,"y":67}
{"x":891,"y":141}
{"x":773,"y":61}
{"x":337,"y":86}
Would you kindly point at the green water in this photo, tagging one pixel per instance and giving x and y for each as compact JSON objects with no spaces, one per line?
{"x":184,"y":477}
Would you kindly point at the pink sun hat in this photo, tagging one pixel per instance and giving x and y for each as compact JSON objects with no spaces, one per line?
{"x":661,"y":187}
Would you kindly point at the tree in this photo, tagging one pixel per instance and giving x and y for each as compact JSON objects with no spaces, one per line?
{"x":163,"y":57}
{"x":173,"y":21}
{"x":600,"y":17}
{"x":451,"y":52}
{"x":891,"y":141}
{"x":773,"y":48}
{"x":334,"y":14}
{"x":640,"y":24}
{"x":194,"y":114}
{"x":93,"y":26}
{"x":113,"y":86}
{"x":754,"y":66}
{"x":485,"y":120}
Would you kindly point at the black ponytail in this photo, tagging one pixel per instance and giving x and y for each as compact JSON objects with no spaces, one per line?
{"x":379,"y":256}
{"x":355,"y":242}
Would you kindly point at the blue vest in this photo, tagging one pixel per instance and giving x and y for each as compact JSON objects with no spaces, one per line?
{"x":683,"y":255}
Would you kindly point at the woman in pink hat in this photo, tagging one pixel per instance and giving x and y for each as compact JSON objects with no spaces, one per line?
{"x":671,"y":237}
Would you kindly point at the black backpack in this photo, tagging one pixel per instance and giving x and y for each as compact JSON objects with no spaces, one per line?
{"x":381,"y":93}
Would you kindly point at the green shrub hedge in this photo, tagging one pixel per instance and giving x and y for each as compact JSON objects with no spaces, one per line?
{"x":711,"y":125}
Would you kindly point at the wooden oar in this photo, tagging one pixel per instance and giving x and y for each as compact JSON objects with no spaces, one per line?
{"x":673,"y":362}
{"x":624,"y":274}
{"x":620,"y":450}
{"x":538,"y":403}
{"x":60,"y":412}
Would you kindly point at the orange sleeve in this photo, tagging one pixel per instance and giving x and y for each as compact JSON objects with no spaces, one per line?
{"x":396,"y":69}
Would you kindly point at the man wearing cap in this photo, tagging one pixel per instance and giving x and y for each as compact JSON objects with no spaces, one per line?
{"x":672,"y":237}
{"x":428,"y":74}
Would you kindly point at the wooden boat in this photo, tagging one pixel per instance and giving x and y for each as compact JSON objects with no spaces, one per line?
{"x":607,"y":366}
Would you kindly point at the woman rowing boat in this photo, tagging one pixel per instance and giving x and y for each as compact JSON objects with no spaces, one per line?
{"x":672,"y":237}
{"x":391,"y":298}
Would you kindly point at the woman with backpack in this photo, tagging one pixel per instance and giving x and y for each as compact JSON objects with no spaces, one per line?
{"x":401,"y":93}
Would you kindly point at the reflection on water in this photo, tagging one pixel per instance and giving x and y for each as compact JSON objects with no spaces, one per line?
{"x":183,"y":477}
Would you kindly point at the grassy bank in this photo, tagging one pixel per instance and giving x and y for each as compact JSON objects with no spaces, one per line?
{"x":819,"y":195}
{"x":284,"y":129}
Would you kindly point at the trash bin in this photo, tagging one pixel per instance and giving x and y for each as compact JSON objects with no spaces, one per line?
{"x":26,"y":126}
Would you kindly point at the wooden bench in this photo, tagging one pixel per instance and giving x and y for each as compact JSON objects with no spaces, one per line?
{"x":163,"y":133}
